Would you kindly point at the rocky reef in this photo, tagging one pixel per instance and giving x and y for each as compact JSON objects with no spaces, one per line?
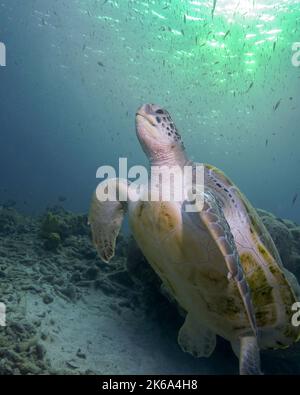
{"x":69,"y":313}
{"x":286,"y":236}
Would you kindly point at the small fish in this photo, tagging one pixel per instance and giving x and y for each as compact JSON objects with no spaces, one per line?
{"x":274,"y":46}
{"x":184,"y":18}
{"x":227,"y":33}
{"x":250,"y":87}
{"x":214,"y":8}
{"x":294,"y":199}
{"x":100,"y":64}
{"x":267,"y":142}
{"x":277,"y":105}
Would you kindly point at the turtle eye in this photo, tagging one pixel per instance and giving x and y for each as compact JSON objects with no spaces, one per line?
{"x":159,"y":111}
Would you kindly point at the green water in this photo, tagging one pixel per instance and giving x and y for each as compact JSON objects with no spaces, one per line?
{"x":82,"y":68}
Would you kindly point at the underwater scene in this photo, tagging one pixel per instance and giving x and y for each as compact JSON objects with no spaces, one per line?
{"x":105,"y":106}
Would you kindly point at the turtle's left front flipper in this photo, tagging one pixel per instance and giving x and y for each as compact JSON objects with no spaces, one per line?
{"x":106,"y":215}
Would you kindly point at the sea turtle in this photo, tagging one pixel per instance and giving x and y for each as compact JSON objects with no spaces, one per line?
{"x":220,"y":263}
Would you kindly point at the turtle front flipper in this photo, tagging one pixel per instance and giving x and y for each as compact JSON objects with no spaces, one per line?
{"x":212,"y":218}
{"x":108,"y":207}
{"x":247,"y":351}
{"x":249,"y":356}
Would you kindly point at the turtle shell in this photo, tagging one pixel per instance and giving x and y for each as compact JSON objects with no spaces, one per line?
{"x":274,"y":290}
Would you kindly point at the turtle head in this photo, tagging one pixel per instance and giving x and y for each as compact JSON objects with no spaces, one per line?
{"x":157,"y":133}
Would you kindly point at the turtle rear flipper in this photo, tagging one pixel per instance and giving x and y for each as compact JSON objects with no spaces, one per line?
{"x":195,"y":338}
{"x":106,"y":216}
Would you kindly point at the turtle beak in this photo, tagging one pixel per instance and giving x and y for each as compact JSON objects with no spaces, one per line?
{"x":146,"y":112}
{"x":145,"y":122}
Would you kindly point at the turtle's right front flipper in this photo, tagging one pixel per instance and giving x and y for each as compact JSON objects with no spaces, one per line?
{"x":108,"y":207}
{"x":211,"y":218}
{"x":249,"y":356}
